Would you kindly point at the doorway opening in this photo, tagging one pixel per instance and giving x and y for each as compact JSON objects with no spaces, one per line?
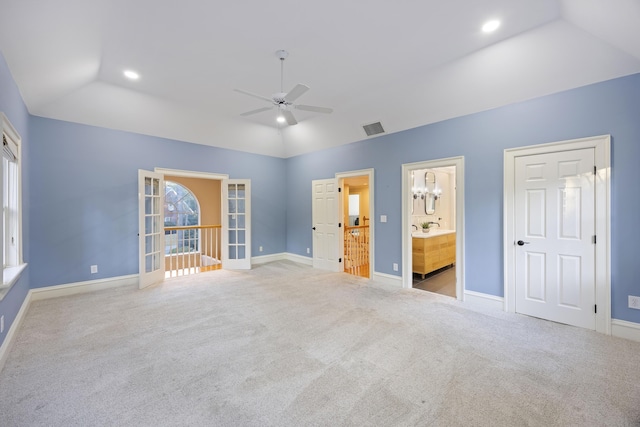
{"x":192,"y":225}
{"x":234,"y":230}
{"x":357,"y":225}
{"x":433,"y":226}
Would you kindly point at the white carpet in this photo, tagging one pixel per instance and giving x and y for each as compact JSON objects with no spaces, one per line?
{"x":286,"y":345}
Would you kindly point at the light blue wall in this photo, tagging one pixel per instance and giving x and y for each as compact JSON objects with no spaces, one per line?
{"x":85,"y":206}
{"x":12,"y":106}
{"x":611,"y":107}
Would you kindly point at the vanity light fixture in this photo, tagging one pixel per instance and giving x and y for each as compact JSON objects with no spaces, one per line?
{"x":490,"y":26}
{"x":436,"y":193}
{"x":417,"y":192}
{"x":131,"y":75}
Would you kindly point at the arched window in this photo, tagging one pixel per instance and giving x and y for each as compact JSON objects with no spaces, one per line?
{"x":181,"y":208}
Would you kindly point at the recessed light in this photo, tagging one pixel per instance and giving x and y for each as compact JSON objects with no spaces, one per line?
{"x":491,"y":26}
{"x":280,"y":119}
{"x":131,"y":75}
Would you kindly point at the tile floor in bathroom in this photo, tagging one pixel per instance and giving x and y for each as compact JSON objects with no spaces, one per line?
{"x":442,"y":281}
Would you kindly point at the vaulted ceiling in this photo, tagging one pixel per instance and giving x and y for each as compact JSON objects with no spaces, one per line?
{"x":404,"y":63}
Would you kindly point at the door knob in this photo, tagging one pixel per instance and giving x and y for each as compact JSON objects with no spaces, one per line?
{"x":313,"y":228}
{"x":522,"y":243}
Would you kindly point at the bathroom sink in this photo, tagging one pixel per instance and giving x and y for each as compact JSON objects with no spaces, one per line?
{"x":432,"y":232}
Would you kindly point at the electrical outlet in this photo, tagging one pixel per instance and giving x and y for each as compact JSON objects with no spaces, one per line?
{"x":94,"y":269}
{"x":383,"y":218}
{"x":634,"y":302}
{"x":260,"y":249}
{"x":395,"y":266}
{"x":308,"y":250}
{"x":2,"y":324}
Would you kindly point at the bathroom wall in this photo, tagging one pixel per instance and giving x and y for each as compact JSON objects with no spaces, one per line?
{"x":444,"y":206}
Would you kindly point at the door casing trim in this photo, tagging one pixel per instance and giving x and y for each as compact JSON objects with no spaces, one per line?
{"x":602,"y":148}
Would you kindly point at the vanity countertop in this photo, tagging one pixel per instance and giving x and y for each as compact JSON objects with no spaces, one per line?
{"x":432,"y":233}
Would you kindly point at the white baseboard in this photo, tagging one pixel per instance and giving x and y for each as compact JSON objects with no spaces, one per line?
{"x":298,"y":258}
{"x":387,"y":279}
{"x":11,"y":333}
{"x":263,"y":259}
{"x":624,"y":329}
{"x":82,"y":287}
{"x":484,"y":300}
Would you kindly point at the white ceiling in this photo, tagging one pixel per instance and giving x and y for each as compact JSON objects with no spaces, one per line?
{"x":405,"y":63}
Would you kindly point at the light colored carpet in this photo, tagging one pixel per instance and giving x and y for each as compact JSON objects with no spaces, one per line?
{"x":286,"y":345}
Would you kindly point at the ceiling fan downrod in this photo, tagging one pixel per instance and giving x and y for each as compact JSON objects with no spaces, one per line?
{"x":282,"y":54}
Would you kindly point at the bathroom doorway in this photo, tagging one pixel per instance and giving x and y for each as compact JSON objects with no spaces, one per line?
{"x":432,"y":221}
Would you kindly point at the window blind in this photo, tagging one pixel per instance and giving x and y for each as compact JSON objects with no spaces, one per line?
{"x":9,"y":149}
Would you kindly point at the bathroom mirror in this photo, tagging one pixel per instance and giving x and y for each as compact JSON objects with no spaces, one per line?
{"x":430,"y":197}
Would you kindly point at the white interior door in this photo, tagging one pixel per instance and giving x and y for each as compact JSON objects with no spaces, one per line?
{"x":236,"y":224}
{"x":326,"y":233}
{"x":554,"y":231}
{"x":151,"y":227}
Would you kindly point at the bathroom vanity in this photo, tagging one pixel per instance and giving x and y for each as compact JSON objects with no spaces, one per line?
{"x":433,"y":250}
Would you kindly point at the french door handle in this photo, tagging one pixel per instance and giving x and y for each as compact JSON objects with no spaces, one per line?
{"x":522,"y":243}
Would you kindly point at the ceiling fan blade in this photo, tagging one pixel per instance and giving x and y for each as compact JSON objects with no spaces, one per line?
{"x":259,"y":110}
{"x":288,"y":116}
{"x":324,"y":110}
{"x":296,"y":92}
{"x":264,"y":98}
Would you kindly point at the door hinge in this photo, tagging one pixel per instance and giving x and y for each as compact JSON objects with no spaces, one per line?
{"x":595,"y":308}
{"x":594,"y":239}
{"x":339,"y":190}
{"x":339,"y":225}
{"x":595,"y":170}
{"x":339,"y":259}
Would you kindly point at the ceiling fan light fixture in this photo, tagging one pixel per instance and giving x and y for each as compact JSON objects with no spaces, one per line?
{"x":280,"y":119}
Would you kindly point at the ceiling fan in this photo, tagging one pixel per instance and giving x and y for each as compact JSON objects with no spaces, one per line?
{"x":284,"y":101}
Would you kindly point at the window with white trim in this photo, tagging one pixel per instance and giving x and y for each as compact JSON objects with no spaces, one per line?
{"x":11,"y":247}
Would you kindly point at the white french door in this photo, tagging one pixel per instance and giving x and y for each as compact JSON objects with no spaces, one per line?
{"x":324,"y":216}
{"x":236,"y":224}
{"x":554,"y":236}
{"x":151,"y":227}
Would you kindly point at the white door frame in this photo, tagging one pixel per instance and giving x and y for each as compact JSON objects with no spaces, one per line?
{"x":407,"y":200}
{"x":369,"y":173}
{"x":602,"y":147}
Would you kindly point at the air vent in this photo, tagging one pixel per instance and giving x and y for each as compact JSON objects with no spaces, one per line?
{"x":373,"y":129}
